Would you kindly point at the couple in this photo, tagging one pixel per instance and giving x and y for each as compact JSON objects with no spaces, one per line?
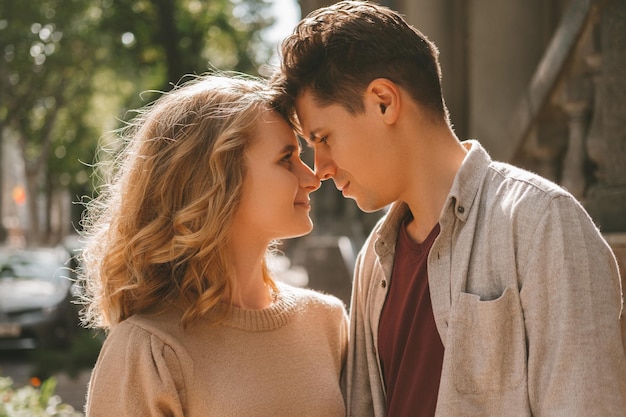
{"x":485,"y":291}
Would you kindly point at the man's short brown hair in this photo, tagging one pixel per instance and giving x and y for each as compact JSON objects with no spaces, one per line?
{"x":336,"y":51}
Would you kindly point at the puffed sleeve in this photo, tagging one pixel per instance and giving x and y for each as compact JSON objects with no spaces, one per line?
{"x":136,"y":374}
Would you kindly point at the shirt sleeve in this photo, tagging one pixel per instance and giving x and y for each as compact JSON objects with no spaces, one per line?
{"x":136,"y":375}
{"x":572,"y":302}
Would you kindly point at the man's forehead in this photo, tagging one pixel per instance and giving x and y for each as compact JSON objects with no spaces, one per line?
{"x":307,"y":110}
{"x":306,"y":101}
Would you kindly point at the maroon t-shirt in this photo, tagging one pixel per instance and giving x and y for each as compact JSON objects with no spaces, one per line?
{"x":411,"y":352}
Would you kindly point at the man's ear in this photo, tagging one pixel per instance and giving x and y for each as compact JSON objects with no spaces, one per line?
{"x":383,"y":97}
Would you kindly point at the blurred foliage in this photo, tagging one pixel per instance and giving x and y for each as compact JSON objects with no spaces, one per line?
{"x":32,"y":401}
{"x":70,"y":68}
{"x":80,"y":355}
{"x":171,"y":38}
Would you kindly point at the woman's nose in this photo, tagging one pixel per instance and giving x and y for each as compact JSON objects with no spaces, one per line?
{"x":308,"y":179}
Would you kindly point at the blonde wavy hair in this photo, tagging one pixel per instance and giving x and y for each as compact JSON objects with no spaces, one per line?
{"x":158,"y":229}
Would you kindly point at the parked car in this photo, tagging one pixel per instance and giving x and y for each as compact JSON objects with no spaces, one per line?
{"x":36,"y":298}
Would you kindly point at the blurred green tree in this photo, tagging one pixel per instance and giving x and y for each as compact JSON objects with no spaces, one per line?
{"x":44,"y":75}
{"x":70,"y":68}
{"x":171,"y":38}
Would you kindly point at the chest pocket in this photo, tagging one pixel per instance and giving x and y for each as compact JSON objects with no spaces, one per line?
{"x":488,"y":343}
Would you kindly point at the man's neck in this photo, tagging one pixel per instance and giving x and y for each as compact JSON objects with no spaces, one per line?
{"x":432,"y":178}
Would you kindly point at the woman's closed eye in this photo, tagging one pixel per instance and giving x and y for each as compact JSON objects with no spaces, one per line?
{"x":291,"y":154}
{"x":287,"y":158}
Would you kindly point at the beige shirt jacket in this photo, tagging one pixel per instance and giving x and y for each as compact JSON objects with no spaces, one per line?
{"x":526,"y":296}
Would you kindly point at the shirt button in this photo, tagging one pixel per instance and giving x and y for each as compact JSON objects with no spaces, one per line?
{"x":383,"y":283}
{"x":461,"y":209}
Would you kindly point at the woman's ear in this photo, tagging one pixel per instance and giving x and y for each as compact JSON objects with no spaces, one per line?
{"x":383,"y":96}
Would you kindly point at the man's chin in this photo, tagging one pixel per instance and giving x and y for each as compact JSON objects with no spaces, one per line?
{"x":368,"y":206}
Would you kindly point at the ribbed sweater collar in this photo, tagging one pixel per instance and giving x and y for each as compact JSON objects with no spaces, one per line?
{"x":271,"y":318}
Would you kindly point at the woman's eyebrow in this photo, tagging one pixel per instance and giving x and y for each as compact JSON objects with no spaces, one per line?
{"x":290,"y":148}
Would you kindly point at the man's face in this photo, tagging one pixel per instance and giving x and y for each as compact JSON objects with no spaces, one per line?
{"x":353,"y":150}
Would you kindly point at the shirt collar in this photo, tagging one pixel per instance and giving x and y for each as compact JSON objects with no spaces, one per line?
{"x":468,"y":181}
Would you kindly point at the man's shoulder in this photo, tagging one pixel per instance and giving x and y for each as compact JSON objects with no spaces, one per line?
{"x":520,"y":177}
{"x":511,"y":197}
{"x":480,"y":171}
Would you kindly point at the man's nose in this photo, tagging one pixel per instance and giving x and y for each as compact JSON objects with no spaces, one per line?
{"x":324,"y":166}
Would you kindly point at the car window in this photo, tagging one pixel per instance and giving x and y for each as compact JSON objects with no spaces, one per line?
{"x":29,"y":265}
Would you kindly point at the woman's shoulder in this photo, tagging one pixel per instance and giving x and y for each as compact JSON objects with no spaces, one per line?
{"x":147,"y":329}
{"x":139,"y":355}
{"x":320,"y":314}
{"x":148,"y":339}
{"x":313,"y":299}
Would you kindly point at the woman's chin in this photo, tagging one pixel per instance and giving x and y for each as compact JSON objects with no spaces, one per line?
{"x":301,"y":231}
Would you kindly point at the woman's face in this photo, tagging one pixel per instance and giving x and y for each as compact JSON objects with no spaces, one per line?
{"x":275,"y":200}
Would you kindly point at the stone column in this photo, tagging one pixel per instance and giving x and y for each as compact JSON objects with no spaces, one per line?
{"x":445,"y":22}
{"x":506,"y":41}
{"x":606,"y":145}
{"x":573,"y":164}
{"x":575,"y":100}
{"x":606,"y":198}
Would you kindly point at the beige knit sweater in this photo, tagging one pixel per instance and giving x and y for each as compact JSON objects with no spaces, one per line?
{"x":282,"y":361}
